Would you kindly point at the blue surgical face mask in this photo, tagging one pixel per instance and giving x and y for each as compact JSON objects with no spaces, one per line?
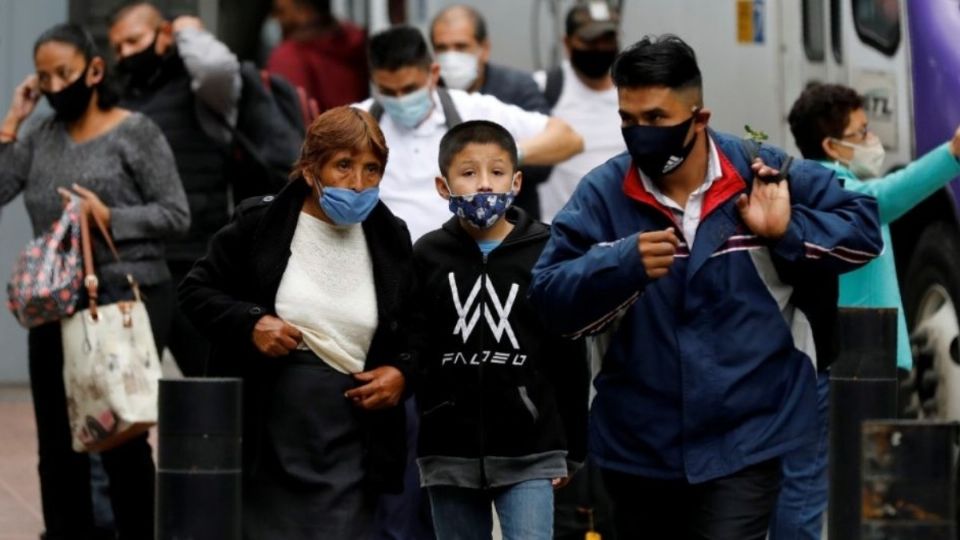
{"x":346,"y":206}
{"x":482,"y":209}
{"x":409,"y":110}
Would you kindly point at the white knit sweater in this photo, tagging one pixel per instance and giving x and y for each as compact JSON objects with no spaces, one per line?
{"x":327,"y":292}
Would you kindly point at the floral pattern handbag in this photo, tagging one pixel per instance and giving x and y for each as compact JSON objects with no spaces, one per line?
{"x":46,"y":281}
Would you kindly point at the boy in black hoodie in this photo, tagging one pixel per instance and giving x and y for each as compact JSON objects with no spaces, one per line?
{"x":503,"y":400}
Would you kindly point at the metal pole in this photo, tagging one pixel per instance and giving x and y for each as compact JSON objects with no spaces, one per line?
{"x":198,"y":465}
{"x":863,"y":386}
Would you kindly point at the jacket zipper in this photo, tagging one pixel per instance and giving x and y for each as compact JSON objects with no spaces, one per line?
{"x":483,"y":334}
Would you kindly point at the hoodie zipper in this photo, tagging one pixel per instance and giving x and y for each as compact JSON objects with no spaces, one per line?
{"x":483,"y":335}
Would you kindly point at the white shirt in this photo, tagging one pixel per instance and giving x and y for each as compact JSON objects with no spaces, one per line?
{"x":327,"y":292}
{"x":689,"y":216}
{"x":594,"y":115}
{"x":408,"y":182}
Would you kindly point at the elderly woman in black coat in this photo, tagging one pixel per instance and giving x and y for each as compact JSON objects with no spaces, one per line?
{"x":304,"y":296}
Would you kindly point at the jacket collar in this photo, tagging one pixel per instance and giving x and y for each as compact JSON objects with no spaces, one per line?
{"x":525,"y":228}
{"x":729,"y":184}
{"x":718,"y":204}
{"x":842,"y":171}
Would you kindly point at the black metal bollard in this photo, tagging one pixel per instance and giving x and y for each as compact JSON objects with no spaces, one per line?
{"x":198,"y":465}
{"x":909,"y":483}
{"x":863,"y":386}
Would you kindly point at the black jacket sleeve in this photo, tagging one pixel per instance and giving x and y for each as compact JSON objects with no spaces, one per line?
{"x":217,"y":294}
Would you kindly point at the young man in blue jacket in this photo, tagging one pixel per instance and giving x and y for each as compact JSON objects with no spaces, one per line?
{"x":695,"y":253}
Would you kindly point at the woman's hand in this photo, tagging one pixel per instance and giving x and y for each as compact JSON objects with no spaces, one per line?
{"x":560,"y":483}
{"x":384,"y":388}
{"x":94,"y":205}
{"x":273,"y":337}
{"x":25,"y":99}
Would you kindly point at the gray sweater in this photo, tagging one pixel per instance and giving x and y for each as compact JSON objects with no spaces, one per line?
{"x":131,"y":169}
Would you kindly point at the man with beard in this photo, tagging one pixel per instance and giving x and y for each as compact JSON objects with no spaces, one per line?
{"x":184,"y":79}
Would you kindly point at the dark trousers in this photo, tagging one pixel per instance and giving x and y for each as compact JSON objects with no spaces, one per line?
{"x":406,"y":515}
{"x":736,"y":507}
{"x":65,"y":474}
{"x":187,"y":345}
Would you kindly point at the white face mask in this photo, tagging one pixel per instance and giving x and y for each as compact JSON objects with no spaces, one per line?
{"x":458,"y":69}
{"x":868,"y":157}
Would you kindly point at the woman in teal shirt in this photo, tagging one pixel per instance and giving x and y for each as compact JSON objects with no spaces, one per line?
{"x":829,"y":125}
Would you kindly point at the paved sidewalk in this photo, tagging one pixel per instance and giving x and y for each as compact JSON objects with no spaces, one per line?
{"x":20,"y":514}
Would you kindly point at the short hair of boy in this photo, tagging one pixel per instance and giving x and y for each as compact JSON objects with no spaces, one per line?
{"x":475,"y":132}
{"x":399,"y":47}
{"x":821,"y":111}
{"x":658,"y":61}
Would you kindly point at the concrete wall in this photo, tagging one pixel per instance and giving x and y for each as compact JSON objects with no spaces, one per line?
{"x":20,"y":24}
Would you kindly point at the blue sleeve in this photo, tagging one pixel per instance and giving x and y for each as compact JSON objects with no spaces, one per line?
{"x":901,"y":190}
{"x":582,"y":280}
{"x":831,"y":229}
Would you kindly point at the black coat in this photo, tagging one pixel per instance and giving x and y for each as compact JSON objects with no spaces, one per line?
{"x":494,"y":380}
{"x":236,"y":283}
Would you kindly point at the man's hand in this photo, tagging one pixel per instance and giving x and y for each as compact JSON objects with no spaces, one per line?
{"x":560,"y":483}
{"x":274,"y":338}
{"x":766,"y":212}
{"x":384,"y":388}
{"x":187,"y":21}
{"x":657,"y":249}
{"x":955,"y":143}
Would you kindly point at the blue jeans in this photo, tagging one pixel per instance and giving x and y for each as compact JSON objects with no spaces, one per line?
{"x":803,"y":494}
{"x":525,"y":511}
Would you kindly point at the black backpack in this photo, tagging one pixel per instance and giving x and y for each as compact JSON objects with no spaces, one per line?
{"x":815,"y":293}
{"x":272,"y":119}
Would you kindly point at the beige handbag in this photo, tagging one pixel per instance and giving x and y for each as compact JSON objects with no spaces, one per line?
{"x":111,"y":368}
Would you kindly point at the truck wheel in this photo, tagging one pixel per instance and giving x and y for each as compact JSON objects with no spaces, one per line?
{"x":932,"y":293}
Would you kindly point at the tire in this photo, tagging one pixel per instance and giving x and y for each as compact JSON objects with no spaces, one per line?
{"x":931,"y":296}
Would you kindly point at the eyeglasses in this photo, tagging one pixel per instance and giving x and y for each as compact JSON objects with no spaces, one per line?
{"x":858,"y":135}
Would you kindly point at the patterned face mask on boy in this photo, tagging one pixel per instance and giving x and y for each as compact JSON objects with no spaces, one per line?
{"x":481,"y":210}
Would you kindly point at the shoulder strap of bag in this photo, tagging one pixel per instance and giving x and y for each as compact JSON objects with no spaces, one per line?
{"x":752,"y":148}
{"x":554,"y":86}
{"x":90,"y":279}
{"x":449,"y":109}
{"x":376,"y":111}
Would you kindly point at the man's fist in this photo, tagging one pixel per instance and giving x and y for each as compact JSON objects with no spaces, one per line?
{"x":187,"y":21}
{"x":273,"y":337}
{"x":657,"y":250}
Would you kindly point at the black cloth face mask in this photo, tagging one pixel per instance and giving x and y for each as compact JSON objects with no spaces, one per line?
{"x":139,"y":68}
{"x":72,"y":100}
{"x":658,"y":150}
{"x":593,"y":64}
